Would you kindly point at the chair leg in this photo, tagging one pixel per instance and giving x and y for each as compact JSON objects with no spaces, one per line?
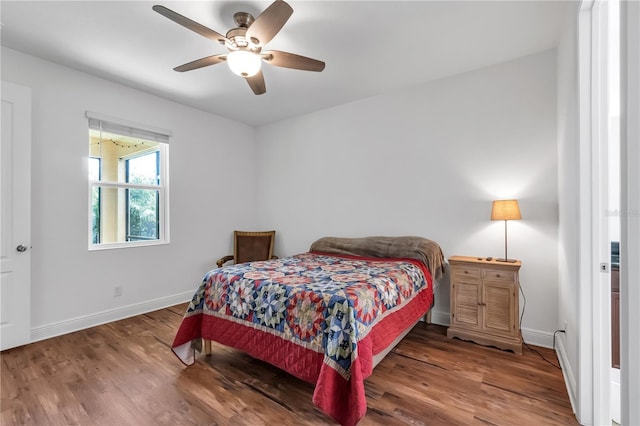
{"x":207,"y":346}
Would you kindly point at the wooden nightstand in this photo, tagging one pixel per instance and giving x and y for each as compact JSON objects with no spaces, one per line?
{"x":485,"y":302}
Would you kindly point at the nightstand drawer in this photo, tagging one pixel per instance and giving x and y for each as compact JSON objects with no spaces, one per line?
{"x":499,"y":275}
{"x":464,"y":271}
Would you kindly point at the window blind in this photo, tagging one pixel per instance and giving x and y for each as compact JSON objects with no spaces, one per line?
{"x":124,"y":128}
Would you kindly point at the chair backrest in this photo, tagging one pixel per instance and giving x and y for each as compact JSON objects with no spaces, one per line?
{"x":251,"y":246}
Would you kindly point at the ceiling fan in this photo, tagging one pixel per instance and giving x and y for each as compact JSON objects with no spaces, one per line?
{"x":245,"y":44}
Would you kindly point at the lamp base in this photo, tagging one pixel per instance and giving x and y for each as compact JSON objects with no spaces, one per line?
{"x":507,"y":260}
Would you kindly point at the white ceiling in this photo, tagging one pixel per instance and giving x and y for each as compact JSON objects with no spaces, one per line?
{"x":370,"y":47}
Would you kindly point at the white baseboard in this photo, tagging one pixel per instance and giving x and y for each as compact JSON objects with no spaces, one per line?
{"x":532,"y":337}
{"x":537,"y":338}
{"x":92,"y":320}
{"x":616,"y":405}
{"x":567,"y":373}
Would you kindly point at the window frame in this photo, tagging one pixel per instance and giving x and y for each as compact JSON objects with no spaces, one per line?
{"x":162,"y":189}
{"x":92,"y":236}
{"x":127,"y":159}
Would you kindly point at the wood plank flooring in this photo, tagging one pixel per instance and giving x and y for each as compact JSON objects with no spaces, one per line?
{"x":124,"y":373}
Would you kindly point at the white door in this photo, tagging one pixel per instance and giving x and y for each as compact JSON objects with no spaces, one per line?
{"x":15,"y":217}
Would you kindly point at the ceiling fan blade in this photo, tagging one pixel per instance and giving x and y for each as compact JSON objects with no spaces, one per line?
{"x":199,"y":63}
{"x":269,"y":22}
{"x":189,"y":24}
{"x":256,"y":83}
{"x":291,"y":60}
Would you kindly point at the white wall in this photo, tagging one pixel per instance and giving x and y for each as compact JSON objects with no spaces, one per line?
{"x":421,"y":161}
{"x":428,"y":161}
{"x":568,"y":194}
{"x":72,"y":287}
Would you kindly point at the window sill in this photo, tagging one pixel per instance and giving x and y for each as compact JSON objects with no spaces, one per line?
{"x":128,"y":244}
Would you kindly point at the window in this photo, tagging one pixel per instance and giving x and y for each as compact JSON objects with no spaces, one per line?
{"x":143,"y":204}
{"x":94,"y":175}
{"x":128,"y":191}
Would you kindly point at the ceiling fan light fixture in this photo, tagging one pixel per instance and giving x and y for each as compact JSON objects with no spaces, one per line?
{"x":244,"y":63}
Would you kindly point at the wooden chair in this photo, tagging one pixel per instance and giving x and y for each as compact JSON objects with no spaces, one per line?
{"x":250,"y":246}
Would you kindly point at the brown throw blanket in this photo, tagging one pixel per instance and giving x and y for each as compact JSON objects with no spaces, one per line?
{"x":418,"y":248}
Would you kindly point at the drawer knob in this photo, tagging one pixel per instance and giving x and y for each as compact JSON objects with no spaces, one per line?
{"x":498,"y":275}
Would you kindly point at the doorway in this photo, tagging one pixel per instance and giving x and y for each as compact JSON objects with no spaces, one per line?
{"x":15,"y":217}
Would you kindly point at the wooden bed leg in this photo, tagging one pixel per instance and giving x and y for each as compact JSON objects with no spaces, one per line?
{"x":207,"y":346}
{"x":427,"y":317}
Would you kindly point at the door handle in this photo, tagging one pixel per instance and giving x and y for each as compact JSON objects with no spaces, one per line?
{"x":21,"y":248}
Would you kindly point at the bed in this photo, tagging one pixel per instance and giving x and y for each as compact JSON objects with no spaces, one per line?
{"x":326,"y":316}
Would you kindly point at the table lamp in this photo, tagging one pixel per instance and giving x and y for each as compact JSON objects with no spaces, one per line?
{"x":505,"y":210}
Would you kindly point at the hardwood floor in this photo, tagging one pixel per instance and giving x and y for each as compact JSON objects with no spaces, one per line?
{"x":124,"y":373}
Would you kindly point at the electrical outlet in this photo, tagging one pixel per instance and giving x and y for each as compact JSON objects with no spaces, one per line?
{"x":117,"y":291}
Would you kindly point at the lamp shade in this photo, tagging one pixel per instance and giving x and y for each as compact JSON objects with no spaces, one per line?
{"x":505,"y":210}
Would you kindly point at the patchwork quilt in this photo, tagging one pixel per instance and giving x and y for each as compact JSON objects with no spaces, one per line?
{"x":319,"y":317}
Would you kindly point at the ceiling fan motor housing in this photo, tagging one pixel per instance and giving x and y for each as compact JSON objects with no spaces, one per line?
{"x":237,"y":40}
{"x":243,"y":19}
